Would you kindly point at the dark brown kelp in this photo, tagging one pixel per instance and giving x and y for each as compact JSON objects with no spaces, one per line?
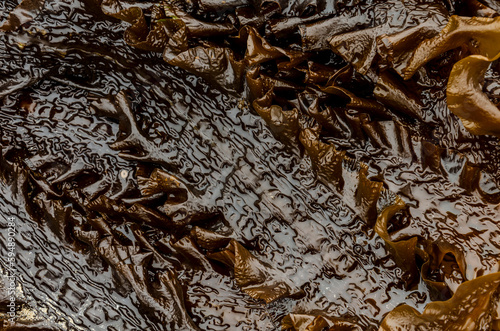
{"x":252,"y":165}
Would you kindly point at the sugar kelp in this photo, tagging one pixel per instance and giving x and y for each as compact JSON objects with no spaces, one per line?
{"x":334,"y":95}
{"x":473,"y":307}
{"x":390,"y":95}
{"x":465,"y":96}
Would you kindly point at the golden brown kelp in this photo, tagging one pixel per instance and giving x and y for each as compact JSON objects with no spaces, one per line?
{"x":476,"y":33}
{"x":308,"y":322}
{"x":326,"y":158}
{"x":369,"y":138}
{"x":473,"y":307}
{"x":259,"y":280}
{"x":465,"y":96}
{"x":360,"y":47}
{"x":391,"y":40}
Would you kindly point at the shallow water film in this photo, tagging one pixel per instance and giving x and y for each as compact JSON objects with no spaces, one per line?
{"x":302,"y":165}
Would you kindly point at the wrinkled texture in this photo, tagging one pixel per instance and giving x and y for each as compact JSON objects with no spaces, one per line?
{"x":464,"y":92}
{"x":299,"y":322}
{"x":23,"y":13}
{"x":473,"y":307}
{"x":200,"y":165}
{"x":476,"y":33}
{"x":466,"y":98}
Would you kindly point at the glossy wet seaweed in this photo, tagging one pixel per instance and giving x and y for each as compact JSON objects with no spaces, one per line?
{"x":183,"y":166}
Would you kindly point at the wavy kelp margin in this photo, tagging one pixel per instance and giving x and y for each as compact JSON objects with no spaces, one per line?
{"x":473,"y":307}
{"x":466,"y":99}
{"x":328,"y":165}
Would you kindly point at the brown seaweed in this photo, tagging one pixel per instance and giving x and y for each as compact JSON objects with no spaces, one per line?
{"x":465,"y":97}
{"x":26,"y":11}
{"x":316,"y":323}
{"x":476,"y":33}
{"x":473,"y":307}
{"x":367,"y":194}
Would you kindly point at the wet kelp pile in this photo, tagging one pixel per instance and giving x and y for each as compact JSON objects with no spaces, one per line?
{"x":250,"y":164}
